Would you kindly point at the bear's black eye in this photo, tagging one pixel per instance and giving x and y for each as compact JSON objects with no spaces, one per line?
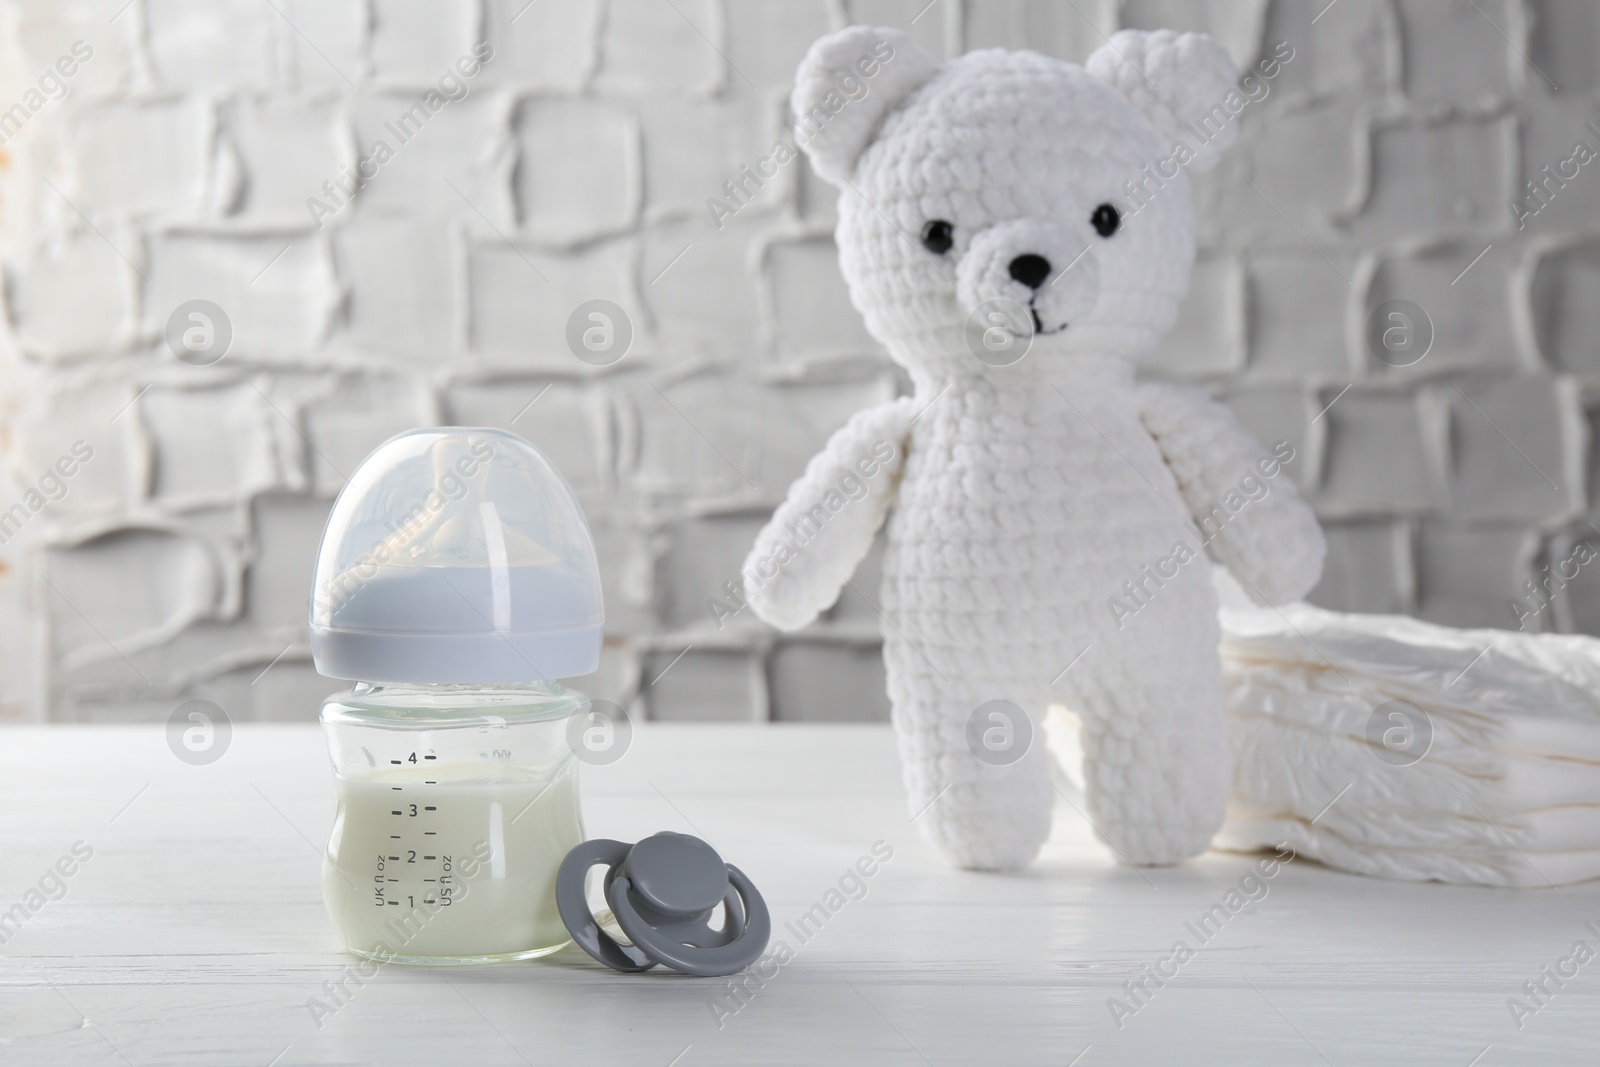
{"x":1105,"y":220}
{"x":937,"y":236}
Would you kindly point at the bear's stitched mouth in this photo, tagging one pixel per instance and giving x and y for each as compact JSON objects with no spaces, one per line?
{"x":1038,"y":323}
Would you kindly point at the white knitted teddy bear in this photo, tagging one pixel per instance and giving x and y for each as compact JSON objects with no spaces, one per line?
{"x":1041,"y":548}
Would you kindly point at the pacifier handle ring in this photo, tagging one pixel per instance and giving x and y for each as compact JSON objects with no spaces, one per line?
{"x":702,"y":962}
{"x":573,"y":904}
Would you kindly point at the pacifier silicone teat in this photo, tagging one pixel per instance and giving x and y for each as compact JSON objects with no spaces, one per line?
{"x":663,"y":891}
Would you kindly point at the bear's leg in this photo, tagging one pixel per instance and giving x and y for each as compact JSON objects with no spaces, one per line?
{"x":1156,"y":763}
{"x":989,"y":813}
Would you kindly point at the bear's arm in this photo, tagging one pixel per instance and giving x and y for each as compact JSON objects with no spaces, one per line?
{"x":824,"y":527}
{"x":1243,"y":503}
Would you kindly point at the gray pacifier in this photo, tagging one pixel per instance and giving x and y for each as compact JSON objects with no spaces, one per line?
{"x":663,"y":891}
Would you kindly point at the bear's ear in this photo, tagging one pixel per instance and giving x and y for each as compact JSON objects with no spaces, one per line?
{"x":846,"y":84}
{"x":1181,"y":81}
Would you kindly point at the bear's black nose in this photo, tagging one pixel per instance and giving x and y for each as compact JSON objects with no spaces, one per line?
{"x":1030,"y":270}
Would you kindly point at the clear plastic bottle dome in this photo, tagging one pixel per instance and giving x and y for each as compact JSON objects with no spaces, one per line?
{"x":456,"y":555}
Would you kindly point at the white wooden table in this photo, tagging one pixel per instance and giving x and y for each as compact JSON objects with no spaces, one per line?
{"x":196,"y":934}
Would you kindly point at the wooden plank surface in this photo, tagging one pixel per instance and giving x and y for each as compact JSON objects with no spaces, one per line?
{"x":196,"y":933}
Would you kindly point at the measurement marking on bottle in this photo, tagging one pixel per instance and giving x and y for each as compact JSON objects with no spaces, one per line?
{"x":430,"y":807}
{"x":395,"y":762}
{"x":430,"y":781}
{"x":394,"y":879}
{"x":394,"y":837}
{"x":430,"y":833}
{"x":430,"y":879}
{"x":430,"y":757}
{"x":430,"y":857}
{"x":393,"y":904}
{"x":396,"y":813}
{"x":394,"y":857}
{"x":395,"y":788}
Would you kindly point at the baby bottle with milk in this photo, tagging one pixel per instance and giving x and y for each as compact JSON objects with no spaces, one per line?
{"x":456,"y":584}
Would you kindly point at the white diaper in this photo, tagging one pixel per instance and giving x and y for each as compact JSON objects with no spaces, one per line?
{"x":1494,"y":776}
{"x":1506,"y":792}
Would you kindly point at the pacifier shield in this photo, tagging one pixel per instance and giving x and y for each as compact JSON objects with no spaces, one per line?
{"x":663,"y":892}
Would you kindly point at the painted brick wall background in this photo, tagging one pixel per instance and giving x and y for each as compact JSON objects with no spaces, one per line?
{"x":176,"y":562}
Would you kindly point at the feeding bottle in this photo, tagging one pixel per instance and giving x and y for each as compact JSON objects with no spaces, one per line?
{"x":456,"y":585}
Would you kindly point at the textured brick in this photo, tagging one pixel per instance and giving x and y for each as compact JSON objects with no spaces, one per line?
{"x":543,"y":46}
{"x":461,"y":145}
{"x":209,"y":445}
{"x":326,"y":44}
{"x":704,"y":685}
{"x":517,"y":314}
{"x":276,"y":308}
{"x":210,"y":45}
{"x":1385,"y":153}
{"x":1282,"y":414}
{"x":290,"y":691}
{"x":580,"y":170}
{"x":1468,"y":575}
{"x":1297,"y":318}
{"x":1042,"y":25}
{"x":857,"y":609}
{"x":729,"y":136}
{"x":1564,"y":43}
{"x":810,"y":310}
{"x":710,"y":298}
{"x":1577,"y":600}
{"x":699,"y":557}
{"x":1565,"y":295}
{"x":140,"y":158}
{"x":73,"y":298}
{"x":765,"y":42}
{"x":122,"y":590}
{"x":1208,"y":337}
{"x":287,"y":149}
{"x":350,"y":417}
{"x":1458,"y":50}
{"x":929,"y":26}
{"x":700,"y":436}
{"x":44,"y":432}
{"x":1591,"y":457}
{"x":415,"y":41}
{"x":647,"y":47}
{"x":571,"y":424}
{"x":401,"y":278}
{"x":1467,"y":304}
{"x":1379,"y":457}
{"x":1368,"y":569}
{"x":616,"y":680}
{"x":623,"y":545}
{"x":815,"y":682}
{"x":814,"y":199}
{"x":45,"y":32}
{"x":1452,"y":176}
{"x":1566,"y":190}
{"x":1236,"y":23}
{"x":799,"y":417}
{"x":1509,"y":455}
{"x":1352,"y":48}
{"x":277,"y":590}
{"x":1303,"y":164}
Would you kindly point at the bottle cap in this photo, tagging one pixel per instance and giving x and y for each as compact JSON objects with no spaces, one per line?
{"x":456,"y":555}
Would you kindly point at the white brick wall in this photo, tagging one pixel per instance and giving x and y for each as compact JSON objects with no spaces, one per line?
{"x":178,"y":166}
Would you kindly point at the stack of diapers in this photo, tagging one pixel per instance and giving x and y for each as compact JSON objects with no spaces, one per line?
{"x":1392,"y":747}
